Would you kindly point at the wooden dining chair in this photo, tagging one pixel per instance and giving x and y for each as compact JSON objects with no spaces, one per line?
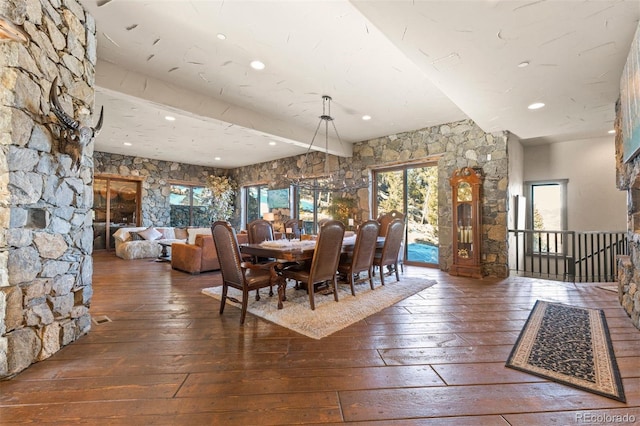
{"x":384,"y":220}
{"x":294,"y":225}
{"x":259,"y":230}
{"x":361,"y":259}
{"x":324,"y":264}
{"x":388,"y":255}
{"x":244,"y":276}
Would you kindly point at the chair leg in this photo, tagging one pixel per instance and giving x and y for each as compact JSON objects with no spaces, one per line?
{"x":397,"y":274}
{"x":257,"y":295}
{"x":381,"y":275}
{"x":311,"y":300}
{"x":245,"y":302}
{"x":370,"y":278}
{"x":223,"y":299}
{"x":335,"y":288}
{"x":353,"y":289}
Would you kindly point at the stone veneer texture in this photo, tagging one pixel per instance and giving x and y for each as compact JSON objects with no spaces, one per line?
{"x":157,"y":177}
{"x":628,"y":178}
{"x":46,"y":239}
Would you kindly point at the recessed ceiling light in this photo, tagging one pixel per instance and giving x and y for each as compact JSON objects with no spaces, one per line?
{"x":366,"y":117}
{"x":536,"y":105}
{"x":257,"y":65}
{"x":169,"y":118}
{"x":523,"y":64}
{"x":217,"y":158}
{"x":272,"y":143}
{"x":221,"y":36}
{"x":127,"y":143}
{"x":611,"y":132}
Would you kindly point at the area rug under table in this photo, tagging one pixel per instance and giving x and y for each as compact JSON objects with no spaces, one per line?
{"x":329,"y":316}
{"x":570,"y":345}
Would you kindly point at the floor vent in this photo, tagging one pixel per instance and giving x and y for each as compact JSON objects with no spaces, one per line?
{"x":100,"y":319}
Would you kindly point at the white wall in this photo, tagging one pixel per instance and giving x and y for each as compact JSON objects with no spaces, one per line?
{"x":594,"y":203}
{"x":516,"y":177}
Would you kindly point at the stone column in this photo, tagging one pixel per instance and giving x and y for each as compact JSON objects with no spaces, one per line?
{"x":45,"y":203}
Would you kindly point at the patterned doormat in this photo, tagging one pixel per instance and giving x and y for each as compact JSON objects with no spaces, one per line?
{"x":569,"y":345}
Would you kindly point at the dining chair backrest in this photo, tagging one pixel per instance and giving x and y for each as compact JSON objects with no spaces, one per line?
{"x":259,"y":230}
{"x":321,"y":223}
{"x":365,"y":247}
{"x":392,"y":243}
{"x":386,"y":219}
{"x":326,"y":255}
{"x":229,"y":256}
{"x":294,"y":225}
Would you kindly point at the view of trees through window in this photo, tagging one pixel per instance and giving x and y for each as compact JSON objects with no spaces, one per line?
{"x":413,"y":191}
{"x":547,"y":213}
{"x":313,"y":205}
{"x":256,"y":202}
{"x":188,"y":206}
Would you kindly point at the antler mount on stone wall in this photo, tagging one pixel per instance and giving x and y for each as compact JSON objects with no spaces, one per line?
{"x":74,"y":137}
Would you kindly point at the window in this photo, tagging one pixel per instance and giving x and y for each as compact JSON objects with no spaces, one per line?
{"x":312,"y":206}
{"x":188,"y":206}
{"x":256,"y":202}
{"x":547,"y":211}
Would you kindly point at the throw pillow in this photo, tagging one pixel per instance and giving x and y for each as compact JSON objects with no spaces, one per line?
{"x":181,"y":233}
{"x":134,"y":236}
{"x":150,"y":234}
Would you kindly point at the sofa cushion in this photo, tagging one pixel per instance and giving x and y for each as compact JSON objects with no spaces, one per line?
{"x":180,"y":233}
{"x":134,"y":236}
{"x":150,"y":234}
{"x":167,"y":233}
{"x":123,"y":234}
{"x":196,"y":231}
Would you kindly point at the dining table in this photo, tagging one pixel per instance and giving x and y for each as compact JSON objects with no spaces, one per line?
{"x":287,"y":251}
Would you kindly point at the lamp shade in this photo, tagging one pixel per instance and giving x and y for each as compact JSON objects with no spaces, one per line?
{"x":268,"y":217}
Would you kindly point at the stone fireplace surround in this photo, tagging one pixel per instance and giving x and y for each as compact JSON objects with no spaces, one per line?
{"x":628,"y":179}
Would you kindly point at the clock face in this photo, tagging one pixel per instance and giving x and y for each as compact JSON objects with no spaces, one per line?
{"x":464,"y":191}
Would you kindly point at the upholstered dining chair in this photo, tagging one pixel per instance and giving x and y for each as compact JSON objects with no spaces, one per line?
{"x":384,"y":220}
{"x":259,"y":230}
{"x":362,"y":257}
{"x":324,"y":264}
{"x":294,"y":225}
{"x":388,"y":255}
{"x":244,"y":276}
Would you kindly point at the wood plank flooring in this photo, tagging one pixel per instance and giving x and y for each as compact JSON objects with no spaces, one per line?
{"x":167,"y":357}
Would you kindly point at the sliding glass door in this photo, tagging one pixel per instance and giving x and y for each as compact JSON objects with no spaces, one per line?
{"x":413,"y":191}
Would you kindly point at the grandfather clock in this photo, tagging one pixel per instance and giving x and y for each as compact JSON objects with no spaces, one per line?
{"x":465,"y":187}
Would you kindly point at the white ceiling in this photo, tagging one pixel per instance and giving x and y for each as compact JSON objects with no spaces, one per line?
{"x":408,"y":64}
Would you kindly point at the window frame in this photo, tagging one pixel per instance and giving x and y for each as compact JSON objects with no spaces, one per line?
{"x":530,"y":202}
{"x":191,"y":186}
{"x":245,"y":200}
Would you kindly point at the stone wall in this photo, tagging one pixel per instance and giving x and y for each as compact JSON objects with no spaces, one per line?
{"x":628,"y":178}
{"x":156,"y":184}
{"x":453,"y":146}
{"x":45,"y":203}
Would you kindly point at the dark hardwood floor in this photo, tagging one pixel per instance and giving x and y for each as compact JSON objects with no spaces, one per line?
{"x":437,"y":358}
